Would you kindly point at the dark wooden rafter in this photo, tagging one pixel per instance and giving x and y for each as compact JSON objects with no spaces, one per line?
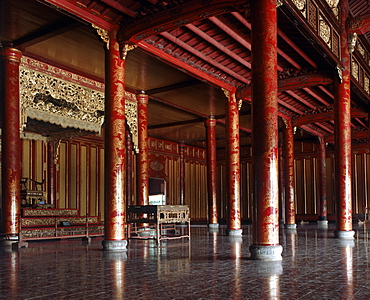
{"x":326,"y":116}
{"x":292,"y":83}
{"x":46,"y":32}
{"x":175,"y":16}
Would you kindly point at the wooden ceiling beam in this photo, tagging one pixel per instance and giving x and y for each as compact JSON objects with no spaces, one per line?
{"x":179,"y":123}
{"x":204,"y":57}
{"x":326,"y":116}
{"x":174,"y":16}
{"x":290,"y":84}
{"x":221,"y":47}
{"x":121,"y":8}
{"x":46,"y":32}
{"x":355,"y":135}
{"x":173,"y":87}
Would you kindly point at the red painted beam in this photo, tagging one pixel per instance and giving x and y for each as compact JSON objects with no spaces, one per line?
{"x":120,"y":7}
{"x":183,"y":66}
{"x":174,"y":17}
{"x":354,"y":135}
{"x":324,"y":117}
{"x":84,"y":14}
{"x":292,"y":83}
{"x":359,"y":25}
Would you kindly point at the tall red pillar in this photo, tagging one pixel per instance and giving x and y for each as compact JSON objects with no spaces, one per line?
{"x":11,"y":142}
{"x":115,"y":194}
{"x":212,"y":172}
{"x":265,"y":132}
{"x":342,"y":119}
{"x":129,"y":168}
{"x":182,"y":173}
{"x":143,"y":171}
{"x":233,"y":166}
{"x":321,"y":170}
{"x":289,"y":175}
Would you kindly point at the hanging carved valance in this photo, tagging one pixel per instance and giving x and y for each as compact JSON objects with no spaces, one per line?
{"x":59,"y":97}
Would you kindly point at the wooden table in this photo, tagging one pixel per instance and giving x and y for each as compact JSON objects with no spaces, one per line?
{"x":158,"y":221}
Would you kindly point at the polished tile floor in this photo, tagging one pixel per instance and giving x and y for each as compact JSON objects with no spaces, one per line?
{"x":212,"y":266}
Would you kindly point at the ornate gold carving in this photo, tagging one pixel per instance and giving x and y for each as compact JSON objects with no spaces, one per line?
{"x":125,"y":49}
{"x":226,"y":92}
{"x":367,"y":84}
{"x":325,"y":32}
{"x":352,"y":38}
{"x":361,"y":49}
{"x":279,"y":3}
{"x":339,"y":72}
{"x":301,"y":5}
{"x":80,"y":106}
{"x":355,"y":70}
{"x":104,"y":35}
{"x":132,"y":122}
{"x":240,"y":103}
{"x":312,"y":15}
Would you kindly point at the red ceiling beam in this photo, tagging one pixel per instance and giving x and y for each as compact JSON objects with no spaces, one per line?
{"x":83,"y":13}
{"x":292,"y":83}
{"x":181,"y":65}
{"x":204,"y":57}
{"x":171,"y":18}
{"x":215,"y":43}
{"x":360,"y":24}
{"x":355,"y":135}
{"x":121,"y":8}
{"x":326,"y":116}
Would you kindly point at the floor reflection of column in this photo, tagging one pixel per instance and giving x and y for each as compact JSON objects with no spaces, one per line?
{"x":116,"y":262}
{"x":236,"y":253}
{"x":11,"y":277}
{"x":347,"y":264}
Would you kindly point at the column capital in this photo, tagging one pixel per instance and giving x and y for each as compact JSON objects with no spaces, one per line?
{"x":12,"y":54}
{"x":211,"y":122}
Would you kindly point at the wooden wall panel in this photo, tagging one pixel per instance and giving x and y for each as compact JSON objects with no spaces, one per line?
{"x":101,"y":184}
{"x":73,"y":176}
{"x":84,"y":198}
{"x":63,"y":176}
{"x":93,"y":182}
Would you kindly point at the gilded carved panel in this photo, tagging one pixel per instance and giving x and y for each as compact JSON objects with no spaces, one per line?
{"x":301,"y":5}
{"x":367,"y":84}
{"x":324,"y":31}
{"x":355,"y":70}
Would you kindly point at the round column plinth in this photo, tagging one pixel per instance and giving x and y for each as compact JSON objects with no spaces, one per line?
{"x":290,"y":226}
{"x":345,"y":235}
{"x":114,"y":245}
{"x":213,"y":225}
{"x":322,"y":223}
{"x":266,"y":253}
{"x":235,"y":232}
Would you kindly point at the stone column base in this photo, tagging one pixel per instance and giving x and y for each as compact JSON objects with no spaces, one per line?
{"x":290,"y":226}
{"x":114,"y":245}
{"x":322,"y":223}
{"x":266,"y":253}
{"x":213,"y":225}
{"x":346,"y":235}
{"x":235,"y":232}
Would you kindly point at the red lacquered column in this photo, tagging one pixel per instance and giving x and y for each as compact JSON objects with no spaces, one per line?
{"x":289,"y":175}
{"x":11,"y":143}
{"x":182,"y":173}
{"x":322,"y":221}
{"x":342,"y":119}
{"x":143,"y":172}
{"x":51,"y":173}
{"x":212,"y":172}
{"x":281,"y":181}
{"x":115,"y":194}
{"x":233,"y":166}
{"x":129,"y":168}
{"x":265,"y":131}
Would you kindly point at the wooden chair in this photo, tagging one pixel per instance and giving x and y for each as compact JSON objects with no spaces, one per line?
{"x":32,"y":192}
